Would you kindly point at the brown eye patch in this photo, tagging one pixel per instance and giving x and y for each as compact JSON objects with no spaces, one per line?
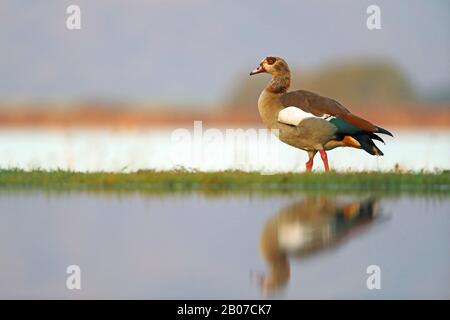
{"x":271,"y":60}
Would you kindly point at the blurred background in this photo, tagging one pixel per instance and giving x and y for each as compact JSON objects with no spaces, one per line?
{"x":108,"y":96}
{"x":122,"y":94}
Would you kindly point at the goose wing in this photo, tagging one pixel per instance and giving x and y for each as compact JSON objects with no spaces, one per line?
{"x":320,"y":106}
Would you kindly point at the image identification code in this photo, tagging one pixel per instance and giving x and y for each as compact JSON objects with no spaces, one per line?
{"x":225,"y":309}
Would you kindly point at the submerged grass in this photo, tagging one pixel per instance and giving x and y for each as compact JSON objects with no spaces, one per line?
{"x":226,"y":181}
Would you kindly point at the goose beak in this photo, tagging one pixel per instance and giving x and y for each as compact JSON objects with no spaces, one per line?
{"x":257,"y":70}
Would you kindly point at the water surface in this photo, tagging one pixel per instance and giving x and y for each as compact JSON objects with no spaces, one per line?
{"x":206,"y":149}
{"x":246,"y":246}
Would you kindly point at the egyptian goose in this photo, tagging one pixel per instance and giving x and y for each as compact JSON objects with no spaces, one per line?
{"x":308,"y":121}
{"x":306,"y":227}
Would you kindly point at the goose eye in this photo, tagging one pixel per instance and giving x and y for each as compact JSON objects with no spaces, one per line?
{"x":270,"y":60}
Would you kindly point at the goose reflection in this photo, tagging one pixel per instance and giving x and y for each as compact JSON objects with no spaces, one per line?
{"x":307,"y":227}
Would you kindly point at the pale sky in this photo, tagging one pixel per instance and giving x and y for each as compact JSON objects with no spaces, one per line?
{"x":191,"y":51}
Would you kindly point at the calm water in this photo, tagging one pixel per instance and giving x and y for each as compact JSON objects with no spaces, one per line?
{"x":244,"y":246}
{"x":206,"y":149}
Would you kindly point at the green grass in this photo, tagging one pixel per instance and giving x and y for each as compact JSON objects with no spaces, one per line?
{"x":226,"y":181}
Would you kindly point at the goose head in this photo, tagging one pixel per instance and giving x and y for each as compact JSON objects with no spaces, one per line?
{"x":275,"y":66}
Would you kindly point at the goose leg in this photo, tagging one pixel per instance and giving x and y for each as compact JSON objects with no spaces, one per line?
{"x":324,"y":157}
{"x":309,"y":164}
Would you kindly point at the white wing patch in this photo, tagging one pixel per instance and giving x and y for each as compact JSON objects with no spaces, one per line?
{"x":293,"y":116}
{"x":294,"y":236}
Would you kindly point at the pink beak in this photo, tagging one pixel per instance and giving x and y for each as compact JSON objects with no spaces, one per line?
{"x":257,"y":70}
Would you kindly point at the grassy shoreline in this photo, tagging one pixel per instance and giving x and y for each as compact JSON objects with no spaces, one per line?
{"x":171,"y":181}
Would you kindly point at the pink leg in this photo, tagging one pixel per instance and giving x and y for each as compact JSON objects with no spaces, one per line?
{"x":324,"y":157}
{"x":309,"y":165}
{"x":310,"y":162}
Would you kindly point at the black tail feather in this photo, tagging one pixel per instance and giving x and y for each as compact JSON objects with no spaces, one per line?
{"x":367,"y":144}
{"x":384,"y":131}
{"x":373,"y":136}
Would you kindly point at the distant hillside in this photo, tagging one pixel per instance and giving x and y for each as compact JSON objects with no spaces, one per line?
{"x":361,"y":82}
